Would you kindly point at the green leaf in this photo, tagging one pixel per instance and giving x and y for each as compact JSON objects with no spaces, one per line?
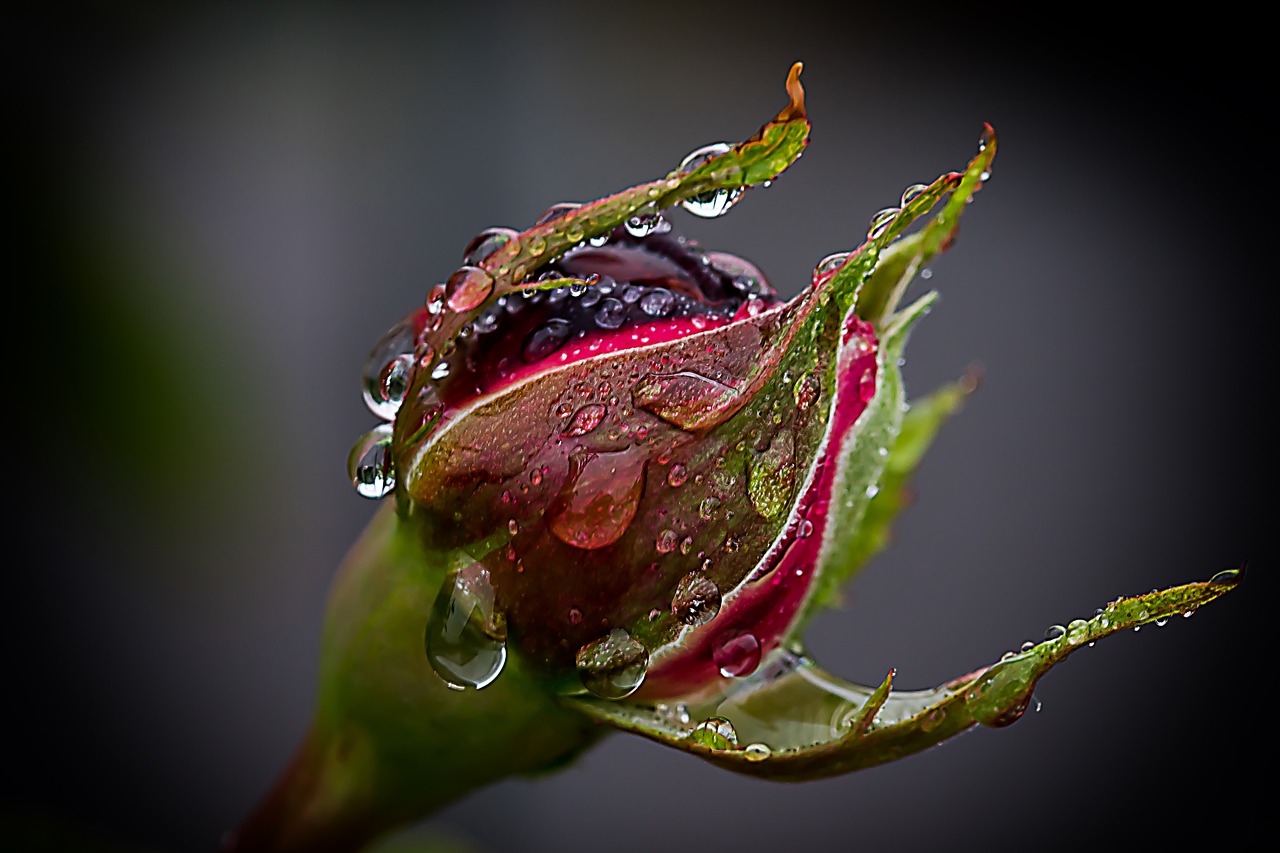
{"x":792,"y":721}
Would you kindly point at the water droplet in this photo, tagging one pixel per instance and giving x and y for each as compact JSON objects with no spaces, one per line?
{"x":535,"y":477}
{"x":575,"y":616}
{"x":696,"y":600}
{"x":440,"y":371}
{"x":756,"y":752}
{"x":909,"y":194}
{"x":556,"y":211}
{"x":716,"y":733}
{"x":395,"y":344}
{"x":806,"y":391}
{"x":1162,"y":621}
{"x":667,"y":541}
{"x":772,"y":476}
{"x":829,"y":263}
{"x":599,"y":240}
{"x":1053,"y":632}
{"x":485,"y":244}
{"x":468,"y":288}
{"x":513,"y":527}
{"x":677,"y":475}
{"x":466,"y":636}
{"x":737,"y":654}
{"x":599,"y":498}
{"x":370,"y":465}
{"x":657,"y":302}
{"x":1077,"y":631}
{"x":805,"y":529}
{"x":711,"y":203}
{"x":610,"y":314}
{"x":537,"y":245}
{"x":926,"y":273}
{"x":646,"y":222}
{"x":545,"y":340}
{"x":612,"y":666}
{"x":586,"y":419}
{"x":707,"y":509}
{"x":880,"y":222}
{"x":392,"y":383}
{"x":1003,"y":693}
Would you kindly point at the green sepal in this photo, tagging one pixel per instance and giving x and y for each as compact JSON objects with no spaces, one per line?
{"x":795,"y":722}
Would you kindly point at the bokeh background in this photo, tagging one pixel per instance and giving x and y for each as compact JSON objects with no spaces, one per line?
{"x":220,"y":211}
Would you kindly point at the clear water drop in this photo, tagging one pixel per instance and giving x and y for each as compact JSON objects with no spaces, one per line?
{"x":646,"y":222}
{"x":880,"y":222}
{"x":1077,"y":631}
{"x":1053,"y":632}
{"x":756,"y":752}
{"x":711,"y":203}
{"x":440,"y":371}
{"x":707,"y":509}
{"x":667,"y":541}
{"x":715,"y":733}
{"x":545,"y":340}
{"x":395,"y":344}
{"x":468,"y":288}
{"x":486,"y":243}
{"x":586,"y":419}
{"x":556,"y":211}
{"x":829,"y":263}
{"x":610,"y":314}
{"x":696,"y":600}
{"x":910,"y":193}
{"x":612,"y":666}
{"x":466,"y":636}
{"x":370,"y":465}
{"x":658,"y":302}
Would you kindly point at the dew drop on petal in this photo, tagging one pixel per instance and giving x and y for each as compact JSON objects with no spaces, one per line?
{"x":370,"y":465}
{"x":612,"y":666}
{"x":677,"y":475}
{"x":658,"y":302}
{"x":667,"y":541}
{"x":756,"y":752}
{"x":586,"y":419}
{"x":545,"y":340}
{"x":610,"y":314}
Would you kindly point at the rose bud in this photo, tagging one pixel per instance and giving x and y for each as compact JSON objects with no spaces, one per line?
{"x":624,"y":473}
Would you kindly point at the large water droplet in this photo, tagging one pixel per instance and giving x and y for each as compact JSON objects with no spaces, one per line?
{"x":880,"y":222}
{"x":910,"y":193}
{"x":716,"y":733}
{"x":772,"y":476}
{"x":612,"y":666}
{"x":707,"y":509}
{"x":370,"y":465}
{"x":657,"y":302}
{"x":486,"y":243}
{"x":829,"y":263}
{"x":696,"y":600}
{"x":377,"y":388}
{"x":468,"y":288}
{"x":756,"y":752}
{"x":466,"y":637}
{"x":1000,"y":696}
{"x":737,"y":655}
{"x":599,"y":498}
{"x":545,"y":340}
{"x":586,"y":419}
{"x":646,"y":222}
{"x":555,"y":212}
{"x":677,"y":475}
{"x":711,"y":203}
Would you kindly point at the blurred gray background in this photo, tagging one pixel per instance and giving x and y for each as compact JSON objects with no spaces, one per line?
{"x":219,"y":212}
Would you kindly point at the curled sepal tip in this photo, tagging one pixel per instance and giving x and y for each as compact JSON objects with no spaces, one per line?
{"x":809,"y":724}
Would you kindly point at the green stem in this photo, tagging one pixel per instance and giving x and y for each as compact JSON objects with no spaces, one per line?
{"x":391,"y":741}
